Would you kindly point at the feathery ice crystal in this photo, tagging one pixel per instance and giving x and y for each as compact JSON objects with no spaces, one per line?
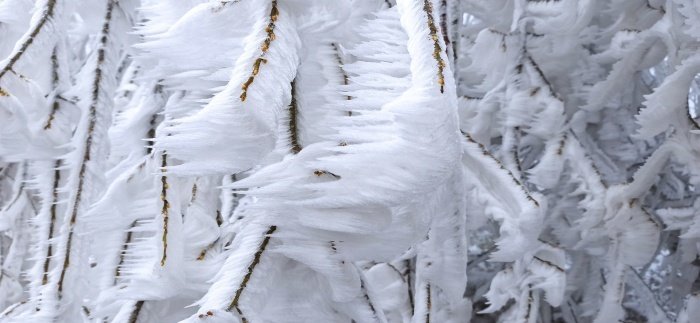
{"x":349,"y":161}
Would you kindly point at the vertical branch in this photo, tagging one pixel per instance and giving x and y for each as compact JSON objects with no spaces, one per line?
{"x":428,"y":303}
{"x":55,"y":80}
{"x":151,"y":134}
{"x":77,"y":199}
{"x":342,"y":69}
{"x":274,"y":14}
{"x":165,"y":209}
{"x":531,"y":310}
{"x":428,"y":8}
{"x":122,"y":253}
{"x":52,"y":223}
{"x":408,"y":272}
{"x":53,"y":202}
{"x":443,"y":26}
{"x":293,"y":130}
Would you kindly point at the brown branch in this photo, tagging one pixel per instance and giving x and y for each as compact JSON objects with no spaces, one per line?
{"x":54,"y":202}
{"x":122,"y":254}
{"x":443,"y":25}
{"x":428,"y":8}
{"x":164,"y":211}
{"x":47,"y":14}
{"x":133,"y":317}
{"x":274,"y":14}
{"x":204,"y":251}
{"x":320,"y":173}
{"x":92,"y":121}
{"x":562,"y":144}
{"x":293,"y":127}
{"x":219,"y":218}
{"x":342,"y":70}
{"x":55,"y":79}
{"x":592,"y":163}
{"x":151,"y":134}
{"x":256,"y":260}
{"x":542,"y":76}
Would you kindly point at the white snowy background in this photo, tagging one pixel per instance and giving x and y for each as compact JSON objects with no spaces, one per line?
{"x":416,"y":161}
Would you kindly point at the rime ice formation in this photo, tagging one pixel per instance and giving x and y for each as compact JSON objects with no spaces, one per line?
{"x":362,"y":161}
